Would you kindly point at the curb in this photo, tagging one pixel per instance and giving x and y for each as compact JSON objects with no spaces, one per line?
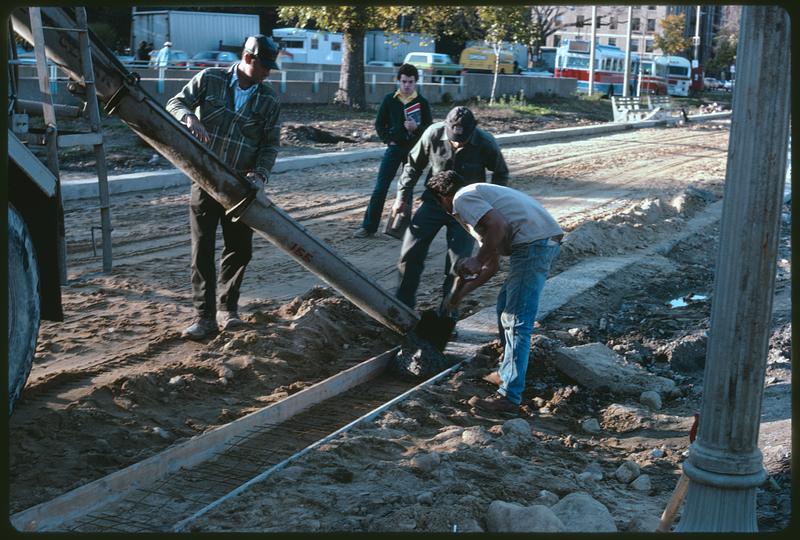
{"x":86,"y":188}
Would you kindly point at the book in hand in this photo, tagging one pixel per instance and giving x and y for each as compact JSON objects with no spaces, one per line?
{"x":396,"y":225}
{"x":414,"y":112}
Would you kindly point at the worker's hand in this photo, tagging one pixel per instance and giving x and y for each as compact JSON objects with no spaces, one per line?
{"x":197,"y":128}
{"x":410,"y":125}
{"x":399,"y":207}
{"x":468,"y":268}
{"x":257,"y":177}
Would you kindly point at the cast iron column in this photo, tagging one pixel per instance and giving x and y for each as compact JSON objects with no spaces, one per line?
{"x":725,"y":465}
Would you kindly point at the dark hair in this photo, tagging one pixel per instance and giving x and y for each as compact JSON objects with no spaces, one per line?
{"x":408,"y":70}
{"x":445,"y":183}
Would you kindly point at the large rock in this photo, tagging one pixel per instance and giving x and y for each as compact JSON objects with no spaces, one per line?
{"x":685,"y":355}
{"x":579,"y":512}
{"x":597,"y":367}
{"x":511,"y":517}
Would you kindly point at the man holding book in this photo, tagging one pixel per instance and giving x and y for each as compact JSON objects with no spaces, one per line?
{"x":402,"y":118}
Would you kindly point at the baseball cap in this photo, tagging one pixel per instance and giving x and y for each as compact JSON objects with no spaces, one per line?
{"x":264,"y":49}
{"x":167,"y":44}
{"x":459,"y":116}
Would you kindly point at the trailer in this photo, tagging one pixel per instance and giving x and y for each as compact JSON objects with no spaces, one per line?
{"x":192,"y":31}
{"x":309,"y":46}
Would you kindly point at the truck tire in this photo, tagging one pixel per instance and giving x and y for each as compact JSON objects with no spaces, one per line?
{"x":23,"y":305}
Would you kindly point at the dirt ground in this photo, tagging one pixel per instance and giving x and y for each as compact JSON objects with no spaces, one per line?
{"x":114,"y":383}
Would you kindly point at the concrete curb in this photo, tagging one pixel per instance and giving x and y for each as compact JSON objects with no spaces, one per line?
{"x":86,"y":188}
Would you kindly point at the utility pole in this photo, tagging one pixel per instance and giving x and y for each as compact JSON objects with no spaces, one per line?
{"x":641,"y":60}
{"x":725,"y":466}
{"x":591,"y":49}
{"x":627,"y":75}
{"x":696,"y":39}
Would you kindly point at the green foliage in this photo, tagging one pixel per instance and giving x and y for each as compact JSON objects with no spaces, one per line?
{"x":724,"y":54}
{"x":672,"y":40}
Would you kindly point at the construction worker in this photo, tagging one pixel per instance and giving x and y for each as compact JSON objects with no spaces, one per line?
{"x":455,"y":144}
{"x":505,"y":222}
{"x":236,"y":113}
{"x":402,"y":118}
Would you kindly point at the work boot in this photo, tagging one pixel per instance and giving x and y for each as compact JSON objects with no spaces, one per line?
{"x":494,"y":403}
{"x":363,"y":233}
{"x":201,"y":328}
{"x":493,"y":378}
{"x":228,"y":320}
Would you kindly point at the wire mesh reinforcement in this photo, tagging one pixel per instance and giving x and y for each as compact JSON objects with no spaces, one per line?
{"x":159,"y":506}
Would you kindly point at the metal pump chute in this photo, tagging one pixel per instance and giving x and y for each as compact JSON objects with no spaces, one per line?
{"x":121,"y":94}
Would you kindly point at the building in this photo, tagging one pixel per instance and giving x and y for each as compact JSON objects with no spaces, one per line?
{"x":575,"y":22}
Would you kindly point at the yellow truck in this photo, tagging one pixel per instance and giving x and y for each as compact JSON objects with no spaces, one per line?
{"x":482,"y":60}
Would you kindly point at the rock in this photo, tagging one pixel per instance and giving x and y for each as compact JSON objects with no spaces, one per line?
{"x":511,"y":517}
{"x":597,"y":367}
{"x":595,"y":470}
{"x":224,"y":372}
{"x":238,"y":363}
{"x":685,"y":355}
{"x":426,"y":462}
{"x":656,"y":453}
{"x":644,"y":523}
{"x":591,"y":425}
{"x":538,"y":402}
{"x":163,"y":433}
{"x":642,"y":483}
{"x":585,"y":477}
{"x":579,"y":512}
{"x":177,"y":380}
{"x":476,"y":436}
{"x":627,"y":472}
{"x":517,"y":426}
{"x":468,"y":525}
{"x":651,"y":400}
{"x":426,"y":498}
{"x":546,"y":498}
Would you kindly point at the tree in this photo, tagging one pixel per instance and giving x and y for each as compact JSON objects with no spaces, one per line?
{"x":672,"y":40}
{"x":545,"y":21}
{"x":724,"y":52}
{"x":353,"y":22}
{"x":502,"y":23}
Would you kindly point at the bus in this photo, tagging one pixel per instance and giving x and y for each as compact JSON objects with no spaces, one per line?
{"x":572,"y":60}
{"x":653,"y":76}
{"x":679,"y":76}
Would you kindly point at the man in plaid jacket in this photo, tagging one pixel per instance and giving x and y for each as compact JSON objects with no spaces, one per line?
{"x":236,"y":113}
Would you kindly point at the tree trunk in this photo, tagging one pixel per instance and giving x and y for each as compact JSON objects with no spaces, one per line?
{"x":496,"y":49}
{"x":351,"y":76}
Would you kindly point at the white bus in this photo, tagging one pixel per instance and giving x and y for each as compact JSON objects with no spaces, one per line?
{"x":309,"y":46}
{"x":679,"y":76}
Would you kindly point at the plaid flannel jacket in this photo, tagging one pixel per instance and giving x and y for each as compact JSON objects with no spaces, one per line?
{"x":247,"y":140}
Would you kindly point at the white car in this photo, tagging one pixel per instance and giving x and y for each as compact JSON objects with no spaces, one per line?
{"x":728,"y":85}
{"x":710,"y":83}
{"x":380,"y":63}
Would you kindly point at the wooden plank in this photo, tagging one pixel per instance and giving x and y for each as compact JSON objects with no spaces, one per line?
{"x":29,"y":163}
{"x":73,"y":504}
{"x":80,"y":139}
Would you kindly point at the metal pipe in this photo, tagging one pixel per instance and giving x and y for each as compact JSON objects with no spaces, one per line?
{"x":122,"y":95}
{"x":627,"y":75}
{"x":592,"y":46}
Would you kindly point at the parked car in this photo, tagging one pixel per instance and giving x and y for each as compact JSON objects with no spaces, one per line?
{"x":380,"y":63}
{"x":176,"y":58}
{"x":710,"y":83}
{"x":434,"y":66}
{"x":482,"y":60}
{"x":205,"y":59}
{"x":535,"y":72}
{"x":728,"y":85}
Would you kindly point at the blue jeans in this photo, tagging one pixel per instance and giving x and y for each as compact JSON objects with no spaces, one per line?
{"x":517,"y":304}
{"x":395,"y":155}
{"x":425,"y":224}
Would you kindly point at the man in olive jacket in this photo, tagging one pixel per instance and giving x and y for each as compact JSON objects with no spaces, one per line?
{"x":455,"y":145}
{"x":402,"y":118}
{"x":236,"y":113}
